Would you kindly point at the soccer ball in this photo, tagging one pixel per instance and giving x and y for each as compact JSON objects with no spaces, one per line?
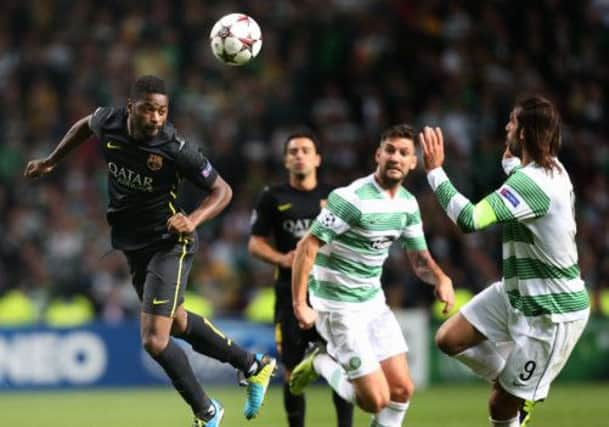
{"x":235,"y":39}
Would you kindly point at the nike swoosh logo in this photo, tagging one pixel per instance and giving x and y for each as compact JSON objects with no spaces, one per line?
{"x":112,"y":146}
{"x":284,"y":207}
{"x":159,"y":301}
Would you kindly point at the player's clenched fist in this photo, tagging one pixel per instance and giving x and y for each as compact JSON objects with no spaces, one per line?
{"x":37,"y":168}
{"x":180,"y":223}
{"x":445,"y":293}
{"x":305,"y":315}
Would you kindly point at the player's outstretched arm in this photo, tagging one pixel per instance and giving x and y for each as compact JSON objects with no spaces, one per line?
{"x":78,"y":133}
{"x":430,"y":272}
{"x":519,"y":198}
{"x":220,"y":195}
{"x":260,"y":247}
{"x":306,"y":251}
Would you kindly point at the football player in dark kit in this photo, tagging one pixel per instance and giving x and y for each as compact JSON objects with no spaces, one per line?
{"x":282,"y":216}
{"x":146,"y":159}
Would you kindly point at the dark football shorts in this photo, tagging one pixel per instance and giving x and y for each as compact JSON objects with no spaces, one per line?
{"x":291,"y":341}
{"x":159,"y":275}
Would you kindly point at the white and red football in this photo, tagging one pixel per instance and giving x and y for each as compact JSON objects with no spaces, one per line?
{"x":235,"y":39}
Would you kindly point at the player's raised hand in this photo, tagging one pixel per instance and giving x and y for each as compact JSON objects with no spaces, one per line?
{"x":305,"y":316}
{"x":38,"y":168}
{"x":180,"y":223}
{"x":432,"y":142}
{"x":445,"y":293}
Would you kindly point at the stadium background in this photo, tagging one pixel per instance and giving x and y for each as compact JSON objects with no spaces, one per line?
{"x":347,"y":69}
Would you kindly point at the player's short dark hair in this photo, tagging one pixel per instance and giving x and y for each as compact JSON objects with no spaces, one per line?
{"x":147,"y":84}
{"x":401,"y":130}
{"x":301,"y":133}
{"x":539,"y":120}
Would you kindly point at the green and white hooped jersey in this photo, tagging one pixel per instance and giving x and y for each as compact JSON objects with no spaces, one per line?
{"x":536,"y":207}
{"x":358,"y":224}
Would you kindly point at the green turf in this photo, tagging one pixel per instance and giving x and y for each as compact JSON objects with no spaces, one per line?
{"x":445,"y":406}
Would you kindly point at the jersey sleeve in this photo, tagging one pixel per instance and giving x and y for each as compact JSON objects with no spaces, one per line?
{"x":519,"y":199}
{"x":339,"y":215}
{"x":194,"y":166}
{"x":413,"y":237}
{"x":262,"y":216}
{"x":99,"y":118}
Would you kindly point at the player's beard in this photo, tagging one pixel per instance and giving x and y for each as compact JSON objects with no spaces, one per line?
{"x":135,"y":129}
{"x":139,"y":131}
{"x":390,"y":182}
{"x":301,"y":175}
{"x":515,"y":146}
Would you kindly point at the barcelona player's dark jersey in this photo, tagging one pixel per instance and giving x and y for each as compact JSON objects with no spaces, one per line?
{"x":143,"y":178}
{"x":285,"y":214}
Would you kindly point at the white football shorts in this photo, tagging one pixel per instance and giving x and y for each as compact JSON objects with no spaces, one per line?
{"x":359,"y":340}
{"x":539,"y":347}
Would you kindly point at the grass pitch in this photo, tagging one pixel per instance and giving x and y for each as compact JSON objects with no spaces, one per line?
{"x":439,"y":406}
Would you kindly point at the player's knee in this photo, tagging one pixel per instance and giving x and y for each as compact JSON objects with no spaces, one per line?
{"x":402,"y":392}
{"x":496,"y":405}
{"x":180,"y":323}
{"x":494,"y":401}
{"x":378,"y":405}
{"x":503,"y":405}
{"x":154,"y":344}
{"x":369,"y":406}
{"x":287,"y":373}
{"x":374,"y":403}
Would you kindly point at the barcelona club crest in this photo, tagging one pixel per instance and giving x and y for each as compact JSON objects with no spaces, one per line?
{"x":154,"y":162}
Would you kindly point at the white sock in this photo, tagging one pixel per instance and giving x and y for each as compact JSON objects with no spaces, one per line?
{"x":505,"y":423}
{"x":336,"y":376}
{"x":392,"y":415}
{"x":484,"y":359}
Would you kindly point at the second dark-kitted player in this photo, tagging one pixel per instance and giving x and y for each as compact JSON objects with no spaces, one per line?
{"x":282,"y":216}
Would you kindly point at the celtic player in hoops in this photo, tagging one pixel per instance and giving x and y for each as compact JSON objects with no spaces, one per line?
{"x":282,"y":216}
{"x":146,"y":159}
{"x":519,"y":332}
{"x":340,"y":260}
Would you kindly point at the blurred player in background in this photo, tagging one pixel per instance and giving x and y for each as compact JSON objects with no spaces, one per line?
{"x":519,"y":332}
{"x":340,"y":261}
{"x":146,"y":160}
{"x":282,"y":216}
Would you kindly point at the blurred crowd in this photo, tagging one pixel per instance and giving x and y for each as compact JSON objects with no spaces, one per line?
{"x":346,"y":68}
